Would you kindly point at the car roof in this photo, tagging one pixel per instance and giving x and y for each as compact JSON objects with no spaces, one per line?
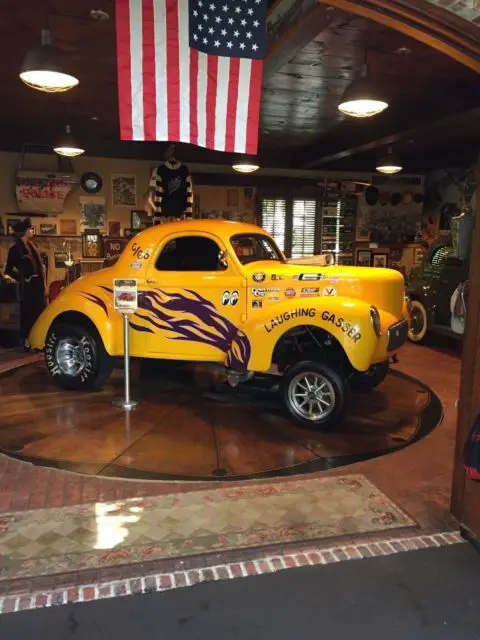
{"x":225,"y":229}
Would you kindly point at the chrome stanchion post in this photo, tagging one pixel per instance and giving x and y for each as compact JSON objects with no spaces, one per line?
{"x":126,"y":402}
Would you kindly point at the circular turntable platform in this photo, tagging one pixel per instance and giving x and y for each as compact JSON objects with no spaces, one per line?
{"x":191,"y":427}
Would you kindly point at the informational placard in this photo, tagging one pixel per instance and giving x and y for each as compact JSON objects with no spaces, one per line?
{"x":125,"y":295}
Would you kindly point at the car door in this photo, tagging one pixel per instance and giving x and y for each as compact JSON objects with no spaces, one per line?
{"x":194,"y":300}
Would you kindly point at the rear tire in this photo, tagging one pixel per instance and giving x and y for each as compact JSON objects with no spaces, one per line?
{"x":418,"y":322}
{"x":371,"y":378}
{"x":314,"y":395}
{"x":76,"y":358}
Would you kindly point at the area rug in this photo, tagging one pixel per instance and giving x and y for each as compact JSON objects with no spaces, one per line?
{"x":70,"y":539}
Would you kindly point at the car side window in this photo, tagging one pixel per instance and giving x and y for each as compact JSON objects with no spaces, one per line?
{"x":190,"y":253}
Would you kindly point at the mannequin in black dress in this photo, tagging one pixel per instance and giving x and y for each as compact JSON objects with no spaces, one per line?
{"x":25,"y":266}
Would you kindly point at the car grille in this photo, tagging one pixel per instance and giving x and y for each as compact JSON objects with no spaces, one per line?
{"x":397,"y":335}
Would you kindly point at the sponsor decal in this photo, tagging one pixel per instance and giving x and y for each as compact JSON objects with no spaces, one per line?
{"x":287,"y":316}
{"x":139,"y":253}
{"x":276,"y":277}
{"x":329,"y":291}
{"x":290,"y":293}
{"x":348,"y":328}
{"x":257,"y":304}
{"x":261,"y":293}
{"x":334,"y":280}
{"x":136,"y":265}
{"x":310,"y":277}
{"x":310,"y":292}
{"x":273,"y":299}
{"x":259,"y":276}
{"x":230,"y":298}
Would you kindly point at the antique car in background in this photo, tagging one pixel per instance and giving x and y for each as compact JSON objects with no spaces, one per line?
{"x":430,"y":289}
{"x":223,"y":293}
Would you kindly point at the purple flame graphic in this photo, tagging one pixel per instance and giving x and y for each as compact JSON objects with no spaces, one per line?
{"x":93,"y":298}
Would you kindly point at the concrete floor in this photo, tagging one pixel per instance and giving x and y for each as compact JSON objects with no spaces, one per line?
{"x":424,"y":595}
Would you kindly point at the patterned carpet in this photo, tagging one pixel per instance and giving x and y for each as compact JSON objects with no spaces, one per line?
{"x":49,"y":541}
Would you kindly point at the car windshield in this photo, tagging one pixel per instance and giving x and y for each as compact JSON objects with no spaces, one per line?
{"x":254,"y":248}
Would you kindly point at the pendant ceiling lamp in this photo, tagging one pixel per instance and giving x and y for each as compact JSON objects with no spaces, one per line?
{"x":44,"y":68}
{"x":68,"y":146}
{"x":245,"y":165}
{"x":362,"y":99}
{"x":389,"y":164}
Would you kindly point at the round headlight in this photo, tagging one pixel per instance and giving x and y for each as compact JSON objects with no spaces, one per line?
{"x":375,"y":318}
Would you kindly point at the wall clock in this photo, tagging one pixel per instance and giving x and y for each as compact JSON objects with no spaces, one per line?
{"x":91,"y":182}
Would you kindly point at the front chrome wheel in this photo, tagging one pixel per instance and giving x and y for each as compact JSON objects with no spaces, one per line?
{"x":311,"y":396}
{"x":71,"y":357}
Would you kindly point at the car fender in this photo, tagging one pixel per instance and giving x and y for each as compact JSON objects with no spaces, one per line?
{"x":96,"y":307}
{"x":347,"y":320}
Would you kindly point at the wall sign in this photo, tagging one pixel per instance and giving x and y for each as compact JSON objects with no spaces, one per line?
{"x":113,"y":249}
{"x":41,"y":192}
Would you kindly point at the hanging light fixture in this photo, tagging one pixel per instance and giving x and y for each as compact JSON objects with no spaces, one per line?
{"x":245,"y":165}
{"x":44,"y":69}
{"x":389,"y":164}
{"x":68,"y":146}
{"x":362,"y":99}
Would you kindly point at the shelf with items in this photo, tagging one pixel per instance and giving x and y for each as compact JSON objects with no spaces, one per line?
{"x":338,"y":222}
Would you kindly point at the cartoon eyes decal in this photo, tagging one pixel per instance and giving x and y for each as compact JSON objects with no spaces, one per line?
{"x":230,"y":298}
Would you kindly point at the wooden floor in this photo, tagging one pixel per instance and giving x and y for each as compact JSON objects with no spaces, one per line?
{"x":189,"y":426}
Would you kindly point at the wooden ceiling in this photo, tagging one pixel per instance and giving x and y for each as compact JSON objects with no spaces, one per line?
{"x":433,"y":117}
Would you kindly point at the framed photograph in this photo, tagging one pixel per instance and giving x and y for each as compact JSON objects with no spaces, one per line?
{"x":140,"y":220}
{"x":418,"y":255}
{"x":92,"y":213}
{"x":68,"y":227}
{"x":47,"y":229}
{"x":129,"y":233}
{"x":60,"y":257}
{"x":364,"y":257}
{"x":92,"y":244}
{"x":124,"y":190}
{"x":11,"y":222}
{"x":114,"y":229}
{"x":380,"y":260}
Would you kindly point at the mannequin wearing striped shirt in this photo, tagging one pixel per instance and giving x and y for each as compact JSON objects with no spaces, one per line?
{"x":171,"y":190}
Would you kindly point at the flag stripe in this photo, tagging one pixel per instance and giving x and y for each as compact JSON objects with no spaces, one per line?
{"x":161,"y":88}
{"x":232,"y":104}
{"x":254,"y":107}
{"x":193,"y":96}
{"x":149,"y":91}
{"x":173,"y":61}
{"x":221,"y":100}
{"x":212,"y":73}
{"x":242,"y":105}
{"x":136,"y":45}
{"x":202,"y":98}
{"x":124,"y":69}
{"x":184,"y":75}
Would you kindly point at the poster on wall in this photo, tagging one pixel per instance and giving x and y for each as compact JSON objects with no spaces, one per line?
{"x":68,"y":227}
{"x":92,"y":213}
{"x":41,"y":192}
{"x":124,"y":190}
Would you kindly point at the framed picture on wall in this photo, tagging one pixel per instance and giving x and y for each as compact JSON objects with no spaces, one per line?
{"x":364,"y":258}
{"x":92,"y":213}
{"x":124,"y":190}
{"x":47,"y":229}
{"x":380,"y":260}
{"x":92,"y":244}
{"x":68,"y":227}
{"x":114,"y":229}
{"x":140,"y":219}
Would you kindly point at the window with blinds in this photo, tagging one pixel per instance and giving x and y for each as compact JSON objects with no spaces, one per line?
{"x":274,"y":214}
{"x":303,"y":232}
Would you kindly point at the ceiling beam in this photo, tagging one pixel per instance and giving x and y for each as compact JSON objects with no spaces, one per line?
{"x":291,"y":27}
{"x":445,"y":122}
{"x":419,"y":19}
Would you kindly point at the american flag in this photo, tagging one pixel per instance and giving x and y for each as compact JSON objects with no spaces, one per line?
{"x":191,"y":71}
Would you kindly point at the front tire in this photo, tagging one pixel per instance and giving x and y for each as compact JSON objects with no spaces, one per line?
{"x":76,"y":358}
{"x":314,"y":395}
{"x":371,"y":378}
{"x":418,"y":322}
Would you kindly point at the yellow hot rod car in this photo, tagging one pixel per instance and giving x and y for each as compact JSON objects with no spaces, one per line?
{"x":222,"y":292}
